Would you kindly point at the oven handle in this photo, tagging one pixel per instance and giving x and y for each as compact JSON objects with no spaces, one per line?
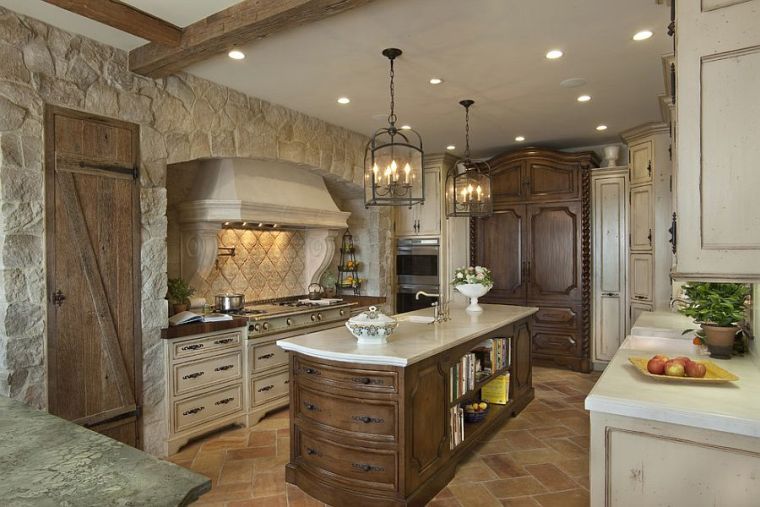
{"x":414,"y":289}
{"x":418,"y":250}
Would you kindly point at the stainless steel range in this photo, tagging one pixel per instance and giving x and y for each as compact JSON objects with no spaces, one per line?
{"x":266,"y":364}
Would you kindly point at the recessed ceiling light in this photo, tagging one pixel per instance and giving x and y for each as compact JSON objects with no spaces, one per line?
{"x":436,"y":80}
{"x":344,"y":100}
{"x":601,"y":127}
{"x":643,"y":35}
{"x":584,"y":98}
{"x":554,"y":54}
{"x":406,"y":127}
{"x":451,"y":147}
{"x":519,"y":139}
{"x":236,"y":54}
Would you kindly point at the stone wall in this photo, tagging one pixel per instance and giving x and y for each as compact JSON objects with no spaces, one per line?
{"x":181,"y":118}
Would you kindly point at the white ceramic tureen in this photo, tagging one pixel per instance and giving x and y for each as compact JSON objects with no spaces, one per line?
{"x":372,"y":326}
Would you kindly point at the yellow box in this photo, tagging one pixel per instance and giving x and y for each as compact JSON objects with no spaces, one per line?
{"x":497,"y":390}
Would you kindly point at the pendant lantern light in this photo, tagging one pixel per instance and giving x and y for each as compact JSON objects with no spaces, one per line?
{"x":393,"y":159}
{"x":468,"y":183}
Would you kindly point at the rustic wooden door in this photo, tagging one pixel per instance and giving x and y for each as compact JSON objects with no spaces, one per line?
{"x":93,"y":262}
{"x":501,"y":248}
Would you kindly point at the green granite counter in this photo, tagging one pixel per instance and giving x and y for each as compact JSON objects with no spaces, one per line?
{"x":47,"y":461}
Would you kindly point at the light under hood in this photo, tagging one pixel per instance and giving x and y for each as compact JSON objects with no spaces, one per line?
{"x":256,"y":191}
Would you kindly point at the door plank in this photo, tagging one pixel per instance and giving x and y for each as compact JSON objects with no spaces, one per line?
{"x":95,"y":286}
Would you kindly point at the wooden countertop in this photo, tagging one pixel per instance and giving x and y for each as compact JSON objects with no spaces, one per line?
{"x":201,"y":328}
{"x":412,"y":341}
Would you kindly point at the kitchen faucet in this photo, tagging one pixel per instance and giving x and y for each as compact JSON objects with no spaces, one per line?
{"x":440,"y":308}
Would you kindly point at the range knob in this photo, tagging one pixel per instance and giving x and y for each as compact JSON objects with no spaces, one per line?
{"x":265,"y":325}
{"x":319,"y":316}
{"x":289,"y":321}
{"x":256,"y":327}
{"x":251,"y":327}
{"x":313,"y":317}
{"x":342,"y":312}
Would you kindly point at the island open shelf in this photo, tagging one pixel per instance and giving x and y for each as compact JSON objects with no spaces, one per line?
{"x":370,"y":426}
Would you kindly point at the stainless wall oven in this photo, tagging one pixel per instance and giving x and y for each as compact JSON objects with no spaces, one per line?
{"x":417,"y":261}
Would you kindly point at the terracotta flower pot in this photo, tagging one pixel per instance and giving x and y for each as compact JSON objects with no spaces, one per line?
{"x":177,"y":308}
{"x":720,"y":340}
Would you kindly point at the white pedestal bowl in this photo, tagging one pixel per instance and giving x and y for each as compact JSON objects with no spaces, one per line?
{"x":473,"y":291}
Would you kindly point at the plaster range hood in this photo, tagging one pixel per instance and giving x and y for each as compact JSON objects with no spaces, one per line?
{"x":234,"y":190}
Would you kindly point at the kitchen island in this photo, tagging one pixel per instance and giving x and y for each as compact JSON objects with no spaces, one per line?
{"x":371,"y":425}
{"x":665,"y":442}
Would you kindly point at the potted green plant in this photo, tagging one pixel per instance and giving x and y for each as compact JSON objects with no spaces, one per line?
{"x":179,"y":292}
{"x":717,"y":307}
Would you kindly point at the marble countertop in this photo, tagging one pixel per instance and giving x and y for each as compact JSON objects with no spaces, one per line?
{"x":664,"y":324}
{"x":733,"y":407}
{"x":412,"y":341}
{"x":47,"y":461}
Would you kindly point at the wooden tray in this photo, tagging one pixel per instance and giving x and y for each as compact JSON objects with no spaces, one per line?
{"x":715,"y":374}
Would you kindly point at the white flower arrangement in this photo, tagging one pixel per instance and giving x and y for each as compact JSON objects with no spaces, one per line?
{"x":470,"y":274}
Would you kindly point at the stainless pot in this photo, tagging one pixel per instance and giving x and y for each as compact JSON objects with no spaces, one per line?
{"x":229,"y":302}
{"x":315,"y":291}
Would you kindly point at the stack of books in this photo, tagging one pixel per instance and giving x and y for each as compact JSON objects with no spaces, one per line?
{"x":463,"y":375}
{"x":500,"y":353}
{"x":456,"y":422}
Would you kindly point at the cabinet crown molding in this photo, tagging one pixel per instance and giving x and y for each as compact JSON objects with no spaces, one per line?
{"x":644,"y":130}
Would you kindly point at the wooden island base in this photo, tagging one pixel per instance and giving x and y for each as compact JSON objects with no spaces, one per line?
{"x":374,"y":435}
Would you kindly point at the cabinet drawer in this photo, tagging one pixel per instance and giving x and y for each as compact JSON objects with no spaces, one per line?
{"x":361,"y":467}
{"x":265,"y":356}
{"x":377,"y":381}
{"x":203,"y":344}
{"x":270,"y":387}
{"x":363,"y":418}
{"x":642,"y":277}
{"x":564,"y":317}
{"x":555,"y":342}
{"x":207,"y":407}
{"x":201,"y":373}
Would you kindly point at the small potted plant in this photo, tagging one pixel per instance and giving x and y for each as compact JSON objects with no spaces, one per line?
{"x":179,"y":293}
{"x":718,"y":308}
{"x":473,"y":282}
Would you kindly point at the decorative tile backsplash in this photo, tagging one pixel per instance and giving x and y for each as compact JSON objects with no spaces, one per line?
{"x":266,"y":264}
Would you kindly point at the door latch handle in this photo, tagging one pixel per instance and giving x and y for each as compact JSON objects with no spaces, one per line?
{"x":58,"y":298}
{"x":649,"y":237}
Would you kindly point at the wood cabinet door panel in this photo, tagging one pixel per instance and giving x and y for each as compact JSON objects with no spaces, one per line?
{"x":555,"y":342}
{"x":521,"y":370}
{"x":508,"y":183}
{"x":501,"y":248}
{"x":93,"y":253}
{"x":552,"y":181}
{"x":642,"y":218}
{"x":641,"y":277}
{"x":554,"y":237}
{"x":564,"y":317}
{"x":640,"y":162}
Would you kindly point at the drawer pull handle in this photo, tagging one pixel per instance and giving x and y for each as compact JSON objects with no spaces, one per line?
{"x":194,"y":346}
{"x":312,"y":371}
{"x":266,"y":356}
{"x":224,"y":401}
{"x":287,"y":382}
{"x":266,"y":388}
{"x":192,"y":375}
{"x":312,"y":452}
{"x":310,"y":407}
{"x":224,"y":341}
{"x":640,"y":297}
{"x":366,"y":381}
{"x":571,"y":340}
{"x":224,"y":368}
{"x":367,"y":419}
{"x":193,"y":411}
{"x":364,"y":467}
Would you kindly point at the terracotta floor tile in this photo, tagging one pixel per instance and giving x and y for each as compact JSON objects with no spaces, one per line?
{"x":551,"y":477}
{"x":494,"y":447}
{"x":521,"y":440}
{"x":573,"y":498}
{"x":251,"y":452}
{"x":444,"y":493}
{"x":268,"y":484}
{"x":534,"y":456}
{"x":574,"y":467}
{"x":504,"y":466}
{"x":553,"y":432}
{"x":583,"y":481}
{"x":520,"y":501}
{"x":283,"y":446}
{"x":518,"y":486}
{"x":237,"y":471}
{"x":581,"y":441}
{"x":473,"y":495}
{"x":444,"y":502}
{"x":579,"y":425}
{"x":473,"y":472}
{"x":228,"y":492}
{"x":267,"y":501}
{"x":262,"y":438}
{"x":566,"y":447}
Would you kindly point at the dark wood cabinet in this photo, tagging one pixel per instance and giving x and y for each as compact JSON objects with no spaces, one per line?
{"x":537,"y":243}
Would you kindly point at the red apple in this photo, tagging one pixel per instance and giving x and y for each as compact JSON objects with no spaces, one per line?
{"x":660,"y":356}
{"x":683,"y":360}
{"x":675,"y":369}
{"x":656,"y":365}
{"x":695,"y":369}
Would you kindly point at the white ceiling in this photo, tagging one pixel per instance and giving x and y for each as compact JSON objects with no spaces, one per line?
{"x":491,"y":51}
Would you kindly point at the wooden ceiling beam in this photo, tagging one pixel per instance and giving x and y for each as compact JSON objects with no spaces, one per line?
{"x":237,"y":25}
{"x":125,"y":18}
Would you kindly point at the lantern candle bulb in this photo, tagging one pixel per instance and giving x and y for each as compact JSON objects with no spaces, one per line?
{"x":407,"y":170}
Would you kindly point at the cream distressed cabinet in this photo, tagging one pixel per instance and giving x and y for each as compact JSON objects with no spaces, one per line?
{"x":424,"y":219}
{"x":718,"y":115}
{"x":650,"y":211}
{"x":609,"y":193}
